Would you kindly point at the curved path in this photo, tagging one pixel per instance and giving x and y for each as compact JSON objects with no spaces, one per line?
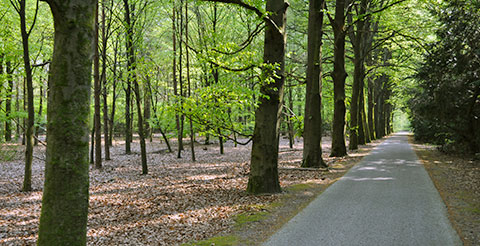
{"x":386,"y":199}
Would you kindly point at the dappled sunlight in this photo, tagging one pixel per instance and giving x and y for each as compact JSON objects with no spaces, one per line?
{"x":177,"y":201}
{"x":369,"y":179}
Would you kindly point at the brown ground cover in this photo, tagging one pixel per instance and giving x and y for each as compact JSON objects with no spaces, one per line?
{"x":179,"y":201}
{"x":457,"y":178}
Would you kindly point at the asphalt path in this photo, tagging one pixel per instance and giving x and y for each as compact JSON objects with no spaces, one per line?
{"x":386,"y":199}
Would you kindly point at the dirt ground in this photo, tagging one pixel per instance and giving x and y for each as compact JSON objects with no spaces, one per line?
{"x":179,"y":201}
{"x":457,"y":178}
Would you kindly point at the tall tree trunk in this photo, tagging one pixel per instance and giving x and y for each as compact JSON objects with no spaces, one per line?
{"x":97,"y":91}
{"x":291,"y":133}
{"x":27,"y":181}
{"x":92,"y":145}
{"x":40,"y":109}
{"x":17,"y":109}
{"x":132,"y":76}
{"x":364,"y":125}
{"x":192,"y":133}
{"x":8,"y":101}
{"x":371,"y":120}
{"x":24,"y":122}
{"x":147,"y":115}
{"x":263,"y":176}
{"x":174,"y":69}
{"x":339,"y":75}
{"x":354,"y":112}
{"x":2,"y":55}
{"x":114,"y":92}
{"x":128,"y":119}
{"x":103,"y":83}
{"x":63,"y":220}
{"x":180,"y":81}
{"x":312,"y":137}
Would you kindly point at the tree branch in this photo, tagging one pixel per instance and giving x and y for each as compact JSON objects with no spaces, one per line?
{"x":257,"y":11}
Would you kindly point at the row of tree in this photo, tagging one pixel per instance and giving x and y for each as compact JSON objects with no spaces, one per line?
{"x":183,"y":62}
{"x":446,"y":107}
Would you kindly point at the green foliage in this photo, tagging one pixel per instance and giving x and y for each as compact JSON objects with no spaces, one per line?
{"x":218,"y":107}
{"x":446,"y":107}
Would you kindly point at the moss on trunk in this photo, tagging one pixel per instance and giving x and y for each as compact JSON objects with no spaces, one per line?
{"x":63,"y":219}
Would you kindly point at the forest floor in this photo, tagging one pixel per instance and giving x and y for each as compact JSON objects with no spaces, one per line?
{"x":178,"y":202}
{"x":457,"y":178}
{"x":185,"y":202}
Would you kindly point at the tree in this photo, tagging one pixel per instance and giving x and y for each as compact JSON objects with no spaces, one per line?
{"x":446,"y":106}
{"x":132,"y":76}
{"x":97,"y":92}
{"x":63,"y":219}
{"x":21,"y":9}
{"x":263,"y":176}
{"x":359,"y":37}
{"x":312,"y":135}
{"x":339,"y":75}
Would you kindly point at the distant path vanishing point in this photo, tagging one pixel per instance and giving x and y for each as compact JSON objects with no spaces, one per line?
{"x":386,"y":199}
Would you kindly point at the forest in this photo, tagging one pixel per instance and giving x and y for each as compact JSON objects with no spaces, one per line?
{"x":157,"y":122}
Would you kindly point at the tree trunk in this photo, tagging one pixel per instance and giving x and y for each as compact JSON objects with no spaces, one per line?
{"x":63,"y":219}
{"x":8,"y":102}
{"x":17,"y":108}
{"x":180,"y":82}
{"x":263,"y":176}
{"x":339,"y":75}
{"x":291,"y":133}
{"x":174,"y":69}
{"x":192,"y":133}
{"x":364,"y":125}
{"x":114,"y":92}
{"x":132,"y":76}
{"x":97,"y":91}
{"x":312,"y":136}
{"x":27,"y":181}
{"x":92,"y":145}
{"x":128,"y":120}
{"x":147,"y":111}
{"x":40,"y":109}
{"x":104,"y":84}
{"x":371,"y":120}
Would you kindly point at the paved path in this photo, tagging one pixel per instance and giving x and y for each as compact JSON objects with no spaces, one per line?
{"x":386,"y":199}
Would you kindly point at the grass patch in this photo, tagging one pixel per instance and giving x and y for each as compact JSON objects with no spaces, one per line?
{"x":243,"y":218}
{"x":300,"y":187}
{"x":229,"y":240}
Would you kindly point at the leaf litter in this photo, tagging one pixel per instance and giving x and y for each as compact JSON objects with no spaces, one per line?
{"x":177,"y":202}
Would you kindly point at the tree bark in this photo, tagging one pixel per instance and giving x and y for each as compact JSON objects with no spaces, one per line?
{"x":39,"y":115}
{"x":263,"y":176}
{"x":174,"y":71}
{"x":132,"y":76}
{"x":128,"y":103}
{"x":371,"y":120}
{"x":312,"y":137}
{"x":339,"y":75}
{"x":8,"y":102}
{"x":63,"y":219}
{"x":114,"y":93}
{"x":27,"y":181}
{"x":103,"y":83}
{"x":192,"y":132}
{"x":97,"y":91}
